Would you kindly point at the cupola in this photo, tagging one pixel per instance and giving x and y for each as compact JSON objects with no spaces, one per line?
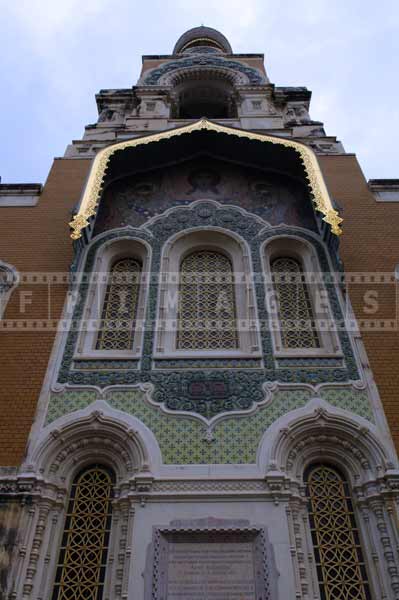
{"x":204,"y":38}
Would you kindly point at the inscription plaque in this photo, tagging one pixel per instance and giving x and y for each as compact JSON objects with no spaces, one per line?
{"x":210,"y":559}
{"x":214,"y":570}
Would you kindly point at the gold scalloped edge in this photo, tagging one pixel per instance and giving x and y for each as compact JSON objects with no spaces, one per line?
{"x":89,"y":203}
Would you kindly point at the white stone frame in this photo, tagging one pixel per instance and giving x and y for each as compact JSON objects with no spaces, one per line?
{"x":106,"y":255}
{"x":320,"y":433}
{"x":98,"y":435}
{"x":7,"y":288}
{"x":174,"y":251}
{"x":304,"y":252}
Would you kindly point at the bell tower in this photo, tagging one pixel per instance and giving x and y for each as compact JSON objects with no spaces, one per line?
{"x":189,"y":404}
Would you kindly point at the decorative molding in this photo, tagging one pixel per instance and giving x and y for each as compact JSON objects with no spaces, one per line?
{"x":208,"y":486}
{"x":94,"y":432}
{"x":166,"y":73}
{"x":323,"y":431}
{"x":266,"y":573}
{"x":207,"y":363}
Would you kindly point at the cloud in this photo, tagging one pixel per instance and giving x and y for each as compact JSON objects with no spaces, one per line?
{"x":44,"y":20}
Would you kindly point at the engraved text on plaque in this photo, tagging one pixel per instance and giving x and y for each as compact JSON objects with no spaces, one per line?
{"x":211,"y":570}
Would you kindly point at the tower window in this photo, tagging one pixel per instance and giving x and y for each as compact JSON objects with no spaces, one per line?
{"x":83,"y":555}
{"x":212,"y":98}
{"x":120,"y":306}
{"x":207,"y":311}
{"x":297,"y":326}
{"x":339,"y":558}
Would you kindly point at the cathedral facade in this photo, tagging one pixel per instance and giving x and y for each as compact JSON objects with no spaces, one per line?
{"x":188,"y":310}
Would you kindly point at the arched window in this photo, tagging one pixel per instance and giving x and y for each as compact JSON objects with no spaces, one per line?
{"x":120,"y":306}
{"x":339,"y":559}
{"x":83,"y":556}
{"x":297,"y":325}
{"x":207,"y":310}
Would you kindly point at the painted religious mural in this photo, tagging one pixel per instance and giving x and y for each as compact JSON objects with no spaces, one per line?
{"x":134,"y":199}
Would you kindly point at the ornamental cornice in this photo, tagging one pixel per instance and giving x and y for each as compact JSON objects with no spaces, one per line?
{"x":244,"y":72}
{"x":32,"y":488}
{"x":275,"y":487}
{"x":89,"y":203}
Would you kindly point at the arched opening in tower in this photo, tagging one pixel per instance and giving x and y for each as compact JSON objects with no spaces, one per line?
{"x":211,"y":98}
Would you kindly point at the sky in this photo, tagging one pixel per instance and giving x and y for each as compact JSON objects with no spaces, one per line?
{"x":56,"y":54}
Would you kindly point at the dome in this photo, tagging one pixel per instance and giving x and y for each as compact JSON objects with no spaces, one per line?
{"x":202,"y":36}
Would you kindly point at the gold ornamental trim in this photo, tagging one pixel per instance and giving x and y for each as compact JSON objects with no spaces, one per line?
{"x":89,"y":203}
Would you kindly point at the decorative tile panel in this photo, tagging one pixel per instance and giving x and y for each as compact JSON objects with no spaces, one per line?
{"x":350,"y":400}
{"x":184,"y":439}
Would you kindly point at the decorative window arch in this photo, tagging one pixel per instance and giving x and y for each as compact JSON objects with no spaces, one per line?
{"x":207,"y":318}
{"x":226,"y":260}
{"x":299,"y":310}
{"x":340,"y":564}
{"x":113,"y":317}
{"x":82,"y":558}
{"x":9,"y":279}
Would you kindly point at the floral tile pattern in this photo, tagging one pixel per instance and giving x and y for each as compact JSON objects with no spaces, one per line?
{"x":183,"y":440}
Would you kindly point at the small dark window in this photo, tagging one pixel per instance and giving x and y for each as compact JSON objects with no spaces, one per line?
{"x":213,"y":99}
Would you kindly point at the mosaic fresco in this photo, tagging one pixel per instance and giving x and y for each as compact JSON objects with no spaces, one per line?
{"x":133,"y":200}
{"x":184,"y":440}
{"x":253,"y":75}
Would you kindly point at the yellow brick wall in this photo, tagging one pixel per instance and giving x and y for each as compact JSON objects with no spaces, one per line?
{"x":34,"y":239}
{"x":370,"y":243}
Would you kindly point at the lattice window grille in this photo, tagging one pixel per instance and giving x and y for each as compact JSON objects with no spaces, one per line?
{"x":82,"y":560}
{"x":339,"y":559}
{"x":120,"y":306}
{"x":297,"y":325}
{"x":207,"y":308}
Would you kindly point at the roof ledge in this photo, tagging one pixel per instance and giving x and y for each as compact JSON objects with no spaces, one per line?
{"x":385,"y":190}
{"x":19,"y":194}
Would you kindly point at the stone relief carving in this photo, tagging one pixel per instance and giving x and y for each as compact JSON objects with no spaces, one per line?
{"x":109,"y":114}
{"x":297,"y":113}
